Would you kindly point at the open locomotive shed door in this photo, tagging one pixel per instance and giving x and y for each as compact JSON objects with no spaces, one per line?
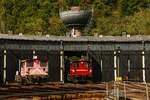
{"x":103,"y":65}
{"x":69,"y":55}
{"x":12,"y":62}
{"x":53,"y":58}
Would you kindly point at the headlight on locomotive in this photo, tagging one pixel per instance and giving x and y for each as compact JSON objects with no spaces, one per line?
{"x":72,"y":70}
{"x":90,"y":70}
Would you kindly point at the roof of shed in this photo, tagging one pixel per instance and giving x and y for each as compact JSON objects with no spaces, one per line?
{"x":134,"y":38}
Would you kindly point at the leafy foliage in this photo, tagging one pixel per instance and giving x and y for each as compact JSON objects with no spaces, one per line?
{"x":110,"y":17}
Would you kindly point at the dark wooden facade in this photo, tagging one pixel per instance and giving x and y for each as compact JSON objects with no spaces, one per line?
{"x":100,"y":49}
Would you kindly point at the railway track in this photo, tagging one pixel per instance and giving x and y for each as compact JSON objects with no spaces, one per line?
{"x":68,"y":91}
{"x":11,"y":91}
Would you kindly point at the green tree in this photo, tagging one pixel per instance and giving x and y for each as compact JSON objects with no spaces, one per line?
{"x":2,"y":16}
{"x":110,"y":17}
{"x":56,"y":27}
{"x":128,"y":7}
{"x":72,"y":2}
{"x":139,"y":23}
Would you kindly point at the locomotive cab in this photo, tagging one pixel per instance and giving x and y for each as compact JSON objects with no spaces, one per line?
{"x":80,"y":71}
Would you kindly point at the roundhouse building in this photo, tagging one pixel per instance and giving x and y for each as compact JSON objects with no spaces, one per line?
{"x":111,"y":56}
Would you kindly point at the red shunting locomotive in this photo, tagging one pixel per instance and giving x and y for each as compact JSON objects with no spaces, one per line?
{"x":80,"y":70}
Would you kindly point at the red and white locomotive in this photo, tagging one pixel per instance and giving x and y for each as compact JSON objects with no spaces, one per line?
{"x":32,"y":70}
